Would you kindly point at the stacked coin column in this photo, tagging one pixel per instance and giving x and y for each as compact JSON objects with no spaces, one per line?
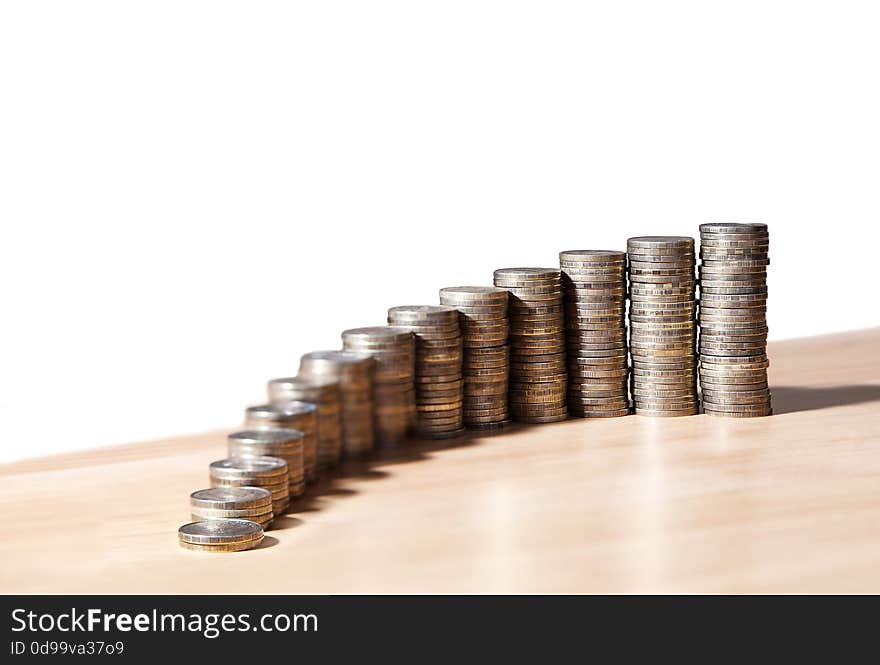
{"x":324,"y":393}
{"x":355,"y":374}
{"x":663,"y":325}
{"x":482,"y":316}
{"x":537,"y":344}
{"x":594,"y":283}
{"x":227,"y":503}
{"x":302,"y":416}
{"x":733,"y":320}
{"x":286,"y":444}
{"x":438,"y":384}
{"x":269,"y":473}
{"x":393,"y":351}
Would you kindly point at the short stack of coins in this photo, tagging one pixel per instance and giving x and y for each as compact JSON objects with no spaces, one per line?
{"x":270,"y":473}
{"x":302,"y":416}
{"x":225,"y":503}
{"x":438,"y":381}
{"x":662,"y":320}
{"x":284,"y":443}
{"x":323,"y":392}
{"x":355,"y":374}
{"x":733,"y":319}
{"x":537,"y":344}
{"x":594,"y":284}
{"x":393,"y":351}
{"x":220,"y":535}
{"x":482,"y":316}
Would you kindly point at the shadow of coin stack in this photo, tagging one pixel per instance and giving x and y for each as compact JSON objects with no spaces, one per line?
{"x":537,"y":344}
{"x":269,"y":473}
{"x":324,"y":393}
{"x":393,"y":351}
{"x":302,"y":416}
{"x":355,"y":374}
{"x":482,"y":317}
{"x":286,"y":444}
{"x":663,"y":325}
{"x":438,"y":384}
{"x":733,"y":320}
{"x":594,"y":283}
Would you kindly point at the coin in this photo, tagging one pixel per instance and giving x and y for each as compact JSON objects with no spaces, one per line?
{"x":268,"y":469}
{"x":219,"y":532}
{"x":231,"y":498}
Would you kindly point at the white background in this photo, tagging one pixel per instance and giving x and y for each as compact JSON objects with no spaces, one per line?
{"x":193,"y":194}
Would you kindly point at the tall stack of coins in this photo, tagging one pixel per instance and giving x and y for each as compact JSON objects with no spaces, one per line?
{"x":284,"y":443}
{"x":270,"y":473}
{"x":323,"y":392}
{"x":733,"y":319}
{"x":394,"y":352}
{"x":291,"y":415}
{"x":220,"y":535}
{"x":482,"y":316}
{"x":224,"y":503}
{"x":438,"y":382}
{"x":663,"y":325}
{"x":355,"y":373}
{"x":537,"y":344}
{"x":594,"y":283}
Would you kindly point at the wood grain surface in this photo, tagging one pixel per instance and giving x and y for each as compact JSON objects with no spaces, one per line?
{"x":789,"y":503}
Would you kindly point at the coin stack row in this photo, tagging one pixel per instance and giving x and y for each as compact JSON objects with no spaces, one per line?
{"x":537,"y":344}
{"x":733,"y":320}
{"x":594,"y":283}
{"x":354,"y":371}
{"x":324,"y":392}
{"x":438,"y":384}
{"x":270,"y":473}
{"x":393,"y":351}
{"x":482,"y":315}
{"x":663,"y":325}
{"x":286,"y":444}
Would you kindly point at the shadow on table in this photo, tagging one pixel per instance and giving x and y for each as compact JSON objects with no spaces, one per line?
{"x":790,"y":399}
{"x":372,"y":468}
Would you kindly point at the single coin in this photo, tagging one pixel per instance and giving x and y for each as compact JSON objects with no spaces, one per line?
{"x":253,"y":467}
{"x":215,"y":532}
{"x":231,"y":498}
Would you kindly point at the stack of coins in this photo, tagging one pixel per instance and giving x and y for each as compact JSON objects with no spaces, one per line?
{"x":284,"y":443}
{"x":224,"y":503}
{"x":394,"y":352}
{"x":355,"y":374}
{"x":302,"y":416}
{"x":220,"y":535}
{"x":594,"y":283}
{"x":270,"y":473}
{"x":323,"y":392}
{"x":537,"y":344}
{"x":438,"y":382}
{"x":733,"y":320}
{"x":663,"y":325}
{"x":482,"y":317}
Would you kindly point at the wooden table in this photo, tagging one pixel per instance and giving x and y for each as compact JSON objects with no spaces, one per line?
{"x":697,"y":504}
